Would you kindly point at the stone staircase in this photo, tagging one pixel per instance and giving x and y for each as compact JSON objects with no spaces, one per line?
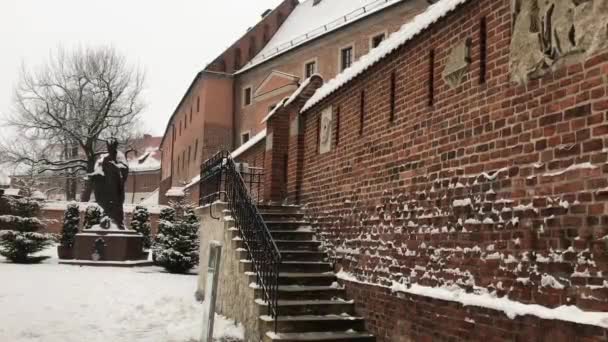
{"x":312,"y":305}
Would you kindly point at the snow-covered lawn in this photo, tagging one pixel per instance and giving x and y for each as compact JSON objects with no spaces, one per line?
{"x":60,"y":303}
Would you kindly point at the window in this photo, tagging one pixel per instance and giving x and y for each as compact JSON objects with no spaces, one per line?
{"x":483,"y":50}
{"x":244,"y":137}
{"x":195,"y":149}
{"x":184,"y":160}
{"x":377,"y":39}
{"x":180,"y":128}
{"x":247,"y":96}
{"x":393,"y":88}
{"x":432,"y":78}
{"x":337,"y":125}
{"x":190,"y":114}
{"x":178,"y":164}
{"x":362,"y":112}
{"x":198,"y":104}
{"x":310,"y":68}
{"x":237,"y":59}
{"x":189,"y":155}
{"x":346,"y":57}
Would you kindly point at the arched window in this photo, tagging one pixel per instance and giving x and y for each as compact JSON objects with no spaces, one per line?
{"x":266,"y":35}
{"x":237,"y":59}
{"x":221,"y":65}
{"x":280,"y":19}
{"x":252,"y":47}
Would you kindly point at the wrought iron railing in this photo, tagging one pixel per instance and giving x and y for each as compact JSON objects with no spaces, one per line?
{"x":221,"y":179}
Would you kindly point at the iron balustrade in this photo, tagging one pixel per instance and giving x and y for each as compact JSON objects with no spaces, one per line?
{"x":221,"y":179}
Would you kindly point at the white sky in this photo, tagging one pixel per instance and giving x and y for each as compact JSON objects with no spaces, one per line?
{"x":171,"y":39}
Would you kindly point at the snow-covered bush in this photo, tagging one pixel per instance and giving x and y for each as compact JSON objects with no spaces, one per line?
{"x":19,"y":226}
{"x":176,"y":245}
{"x":92,"y":216}
{"x":71,"y":221}
{"x":140,"y":222}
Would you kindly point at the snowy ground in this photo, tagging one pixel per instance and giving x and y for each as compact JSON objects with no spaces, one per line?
{"x":61,"y":303}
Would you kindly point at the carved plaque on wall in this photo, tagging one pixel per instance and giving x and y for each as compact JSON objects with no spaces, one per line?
{"x":548,"y":34}
{"x":325,"y":130}
{"x":457,"y":64}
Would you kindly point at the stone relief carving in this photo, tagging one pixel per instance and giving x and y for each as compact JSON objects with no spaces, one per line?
{"x":458,"y":64}
{"x":325,"y":131}
{"x":552,"y":33}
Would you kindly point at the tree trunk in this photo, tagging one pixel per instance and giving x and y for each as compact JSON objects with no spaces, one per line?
{"x":87,"y":190}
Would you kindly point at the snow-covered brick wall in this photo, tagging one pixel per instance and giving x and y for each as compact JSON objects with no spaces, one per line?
{"x":495,"y":188}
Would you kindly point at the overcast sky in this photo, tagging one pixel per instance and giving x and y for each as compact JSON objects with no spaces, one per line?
{"x":171,"y":39}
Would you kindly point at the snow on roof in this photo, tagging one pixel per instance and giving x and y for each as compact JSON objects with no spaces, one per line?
{"x":5,"y":180}
{"x":12,"y":192}
{"x":152,"y":199}
{"x":249,"y":144}
{"x":176,"y":192}
{"x":147,"y":162}
{"x":274,"y":110}
{"x":309,"y":21}
{"x":408,"y":31}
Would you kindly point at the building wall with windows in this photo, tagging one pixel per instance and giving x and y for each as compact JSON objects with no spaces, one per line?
{"x":278,"y":77}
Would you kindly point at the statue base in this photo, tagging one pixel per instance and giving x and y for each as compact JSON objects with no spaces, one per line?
{"x":109,"y":248}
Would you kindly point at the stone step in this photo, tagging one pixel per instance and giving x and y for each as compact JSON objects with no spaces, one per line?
{"x":301,"y":292}
{"x":326,"y":336}
{"x":282,"y":215}
{"x":309,"y":307}
{"x":287,"y":224}
{"x":267,"y":208}
{"x":308,"y":323}
{"x":310,"y":279}
{"x":294,"y":266}
{"x":299,"y":234}
{"x":295,"y":255}
{"x":305,"y":267}
{"x":308,"y":245}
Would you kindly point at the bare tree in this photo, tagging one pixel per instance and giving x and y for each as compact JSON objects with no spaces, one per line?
{"x":69,"y":107}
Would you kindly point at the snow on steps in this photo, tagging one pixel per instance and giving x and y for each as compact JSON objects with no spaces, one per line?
{"x":320,"y":336}
{"x":307,"y":323}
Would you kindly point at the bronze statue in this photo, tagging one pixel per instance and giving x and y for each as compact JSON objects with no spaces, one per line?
{"x":109,"y":179}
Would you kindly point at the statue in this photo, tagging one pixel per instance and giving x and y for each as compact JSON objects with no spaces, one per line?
{"x":109,"y":179}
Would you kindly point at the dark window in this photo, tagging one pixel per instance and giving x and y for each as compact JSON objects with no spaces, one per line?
{"x":252,"y":47}
{"x":178,"y":163}
{"x":432,"y":78}
{"x":346,"y":57}
{"x":362,"y":112}
{"x":483,"y":50}
{"x":247,"y":96}
{"x":198,"y":104}
{"x":190,"y":114}
{"x":195,"y":149}
{"x":189,"y":154}
{"x":393,"y":89}
{"x":185,"y":121}
{"x":237,"y":59}
{"x":180,"y":128}
{"x":337,"y":125}
{"x":376,"y":40}
{"x":184,"y":160}
{"x":244,"y":137}
{"x":310,"y":69}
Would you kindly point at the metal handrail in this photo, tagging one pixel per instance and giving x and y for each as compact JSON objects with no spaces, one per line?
{"x":222,"y":174}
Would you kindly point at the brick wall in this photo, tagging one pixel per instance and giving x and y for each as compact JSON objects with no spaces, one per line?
{"x":495,"y":187}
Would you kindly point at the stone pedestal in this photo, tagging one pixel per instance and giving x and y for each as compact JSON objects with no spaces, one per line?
{"x":109,"y":248}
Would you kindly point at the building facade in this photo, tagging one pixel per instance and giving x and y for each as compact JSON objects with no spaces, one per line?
{"x":257,"y":72}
